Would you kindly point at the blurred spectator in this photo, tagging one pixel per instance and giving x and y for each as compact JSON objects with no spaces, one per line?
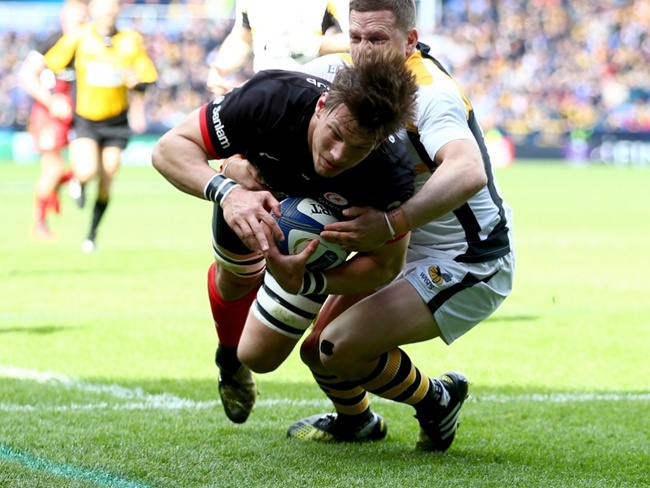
{"x":546,"y":68}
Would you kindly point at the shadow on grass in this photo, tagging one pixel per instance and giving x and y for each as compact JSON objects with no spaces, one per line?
{"x":40,"y":330}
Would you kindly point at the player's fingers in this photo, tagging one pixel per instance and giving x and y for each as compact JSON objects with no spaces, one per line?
{"x":309,"y":249}
{"x":260,"y":236}
{"x":268,"y":220}
{"x":356,"y":211}
{"x":341,"y":226}
{"x":251,"y":234}
{"x":337,"y":236}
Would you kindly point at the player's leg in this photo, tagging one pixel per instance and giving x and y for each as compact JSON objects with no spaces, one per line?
{"x":45,"y":192}
{"x":353,"y":419}
{"x":233,"y":281}
{"x":108,"y":166}
{"x":50,"y":136}
{"x":360,"y":346}
{"x":334,"y":306}
{"x":353,"y":333}
{"x":276,"y":322}
{"x":85,"y":156}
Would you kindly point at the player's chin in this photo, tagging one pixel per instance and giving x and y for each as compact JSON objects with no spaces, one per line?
{"x":327,"y":170}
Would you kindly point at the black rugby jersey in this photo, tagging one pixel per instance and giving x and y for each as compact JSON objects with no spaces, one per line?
{"x":267,"y":121}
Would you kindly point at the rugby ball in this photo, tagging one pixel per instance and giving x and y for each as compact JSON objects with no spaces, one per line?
{"x":302,"y":220}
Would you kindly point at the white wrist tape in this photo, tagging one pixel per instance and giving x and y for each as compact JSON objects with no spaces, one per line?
{"x":313,"y":283}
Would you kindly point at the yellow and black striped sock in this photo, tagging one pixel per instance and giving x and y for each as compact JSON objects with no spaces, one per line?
{"x":397,"y":379}
{"x":349,"y":399}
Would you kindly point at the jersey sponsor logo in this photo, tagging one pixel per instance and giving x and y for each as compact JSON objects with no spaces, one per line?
{"x":336,"y":199}
{"x":318,"y":83}
{"x":435,"y":276}
{"x":218,"y":127}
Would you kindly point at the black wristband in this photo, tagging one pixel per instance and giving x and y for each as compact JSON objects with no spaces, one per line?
{"x":218,"y":187}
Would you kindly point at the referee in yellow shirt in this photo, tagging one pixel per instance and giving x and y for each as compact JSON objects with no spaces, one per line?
{"x":113,"y":70}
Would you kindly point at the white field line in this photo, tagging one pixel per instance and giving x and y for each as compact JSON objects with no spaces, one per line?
{"x":138,"y":399}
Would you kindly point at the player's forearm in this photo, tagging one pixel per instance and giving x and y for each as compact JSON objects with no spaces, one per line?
{"x":232,"y":54}
{"x":183,"y":163}
{"x":334,"y":43}
{"x":367,"y":271}
{"x":453,"y":183}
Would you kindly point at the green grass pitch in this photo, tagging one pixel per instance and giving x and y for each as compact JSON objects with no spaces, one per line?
{"x":107,"y":379}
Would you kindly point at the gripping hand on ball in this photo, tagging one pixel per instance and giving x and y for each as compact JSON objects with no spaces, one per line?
{"x":288,"y":270}
{"x":365,"y":231}
{"x":248,"y":214}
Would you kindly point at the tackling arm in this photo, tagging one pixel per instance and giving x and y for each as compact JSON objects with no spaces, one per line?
{"x":365,"y":271}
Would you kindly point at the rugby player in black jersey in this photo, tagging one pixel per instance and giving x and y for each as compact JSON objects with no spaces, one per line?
{"x":304,"y":138}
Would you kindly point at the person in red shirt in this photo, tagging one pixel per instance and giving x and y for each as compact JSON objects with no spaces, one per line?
{"x":51,"y":117}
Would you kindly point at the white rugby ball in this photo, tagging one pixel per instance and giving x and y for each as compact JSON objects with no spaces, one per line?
{"x":302,"y":220}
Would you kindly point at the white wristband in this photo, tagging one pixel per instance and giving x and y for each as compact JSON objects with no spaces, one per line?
{"x":390,"y":227}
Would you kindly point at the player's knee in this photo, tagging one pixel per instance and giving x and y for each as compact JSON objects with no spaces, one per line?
{"x":338,"y":360}
{"x":309,"y":351}
{"x":233,"y":286}
{"x":256,"y":362}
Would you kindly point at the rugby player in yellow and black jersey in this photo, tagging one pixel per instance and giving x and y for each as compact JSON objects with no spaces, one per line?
{"x":113,"y":69}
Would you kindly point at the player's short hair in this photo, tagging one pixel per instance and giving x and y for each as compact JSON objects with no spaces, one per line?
{"x":379,"y":91}
{"x":404,"y":10}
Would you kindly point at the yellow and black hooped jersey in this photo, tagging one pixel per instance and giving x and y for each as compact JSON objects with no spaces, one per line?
{"x":102,"y":64}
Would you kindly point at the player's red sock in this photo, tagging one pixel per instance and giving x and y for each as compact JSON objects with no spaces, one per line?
{"x":53,"y":203}
{"x":229,"y":316}
{"x":65,"y":177}
{"x":40,"y":209}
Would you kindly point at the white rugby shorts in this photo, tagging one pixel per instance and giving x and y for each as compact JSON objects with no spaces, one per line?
{"x":460,"y":295}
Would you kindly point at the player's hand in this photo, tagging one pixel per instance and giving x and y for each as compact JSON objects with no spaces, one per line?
{"x":130,"y":78}
{"x":241,"y":170}
{"x":248,"y":212}
{"x":367,"y":230}
{"x":288,"y":270}
{"x":60,"y":107}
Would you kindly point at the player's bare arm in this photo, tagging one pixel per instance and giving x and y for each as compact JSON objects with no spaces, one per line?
{"x":182,"y":158}
{"x":460,"y":175}
{"x":363,"y":271}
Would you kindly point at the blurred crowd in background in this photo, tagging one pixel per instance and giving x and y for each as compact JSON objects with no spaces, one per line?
{"x":538,"y":69}
{"x":547,"y":68}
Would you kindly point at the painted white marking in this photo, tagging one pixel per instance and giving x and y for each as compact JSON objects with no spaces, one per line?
{"x":138,"y":399}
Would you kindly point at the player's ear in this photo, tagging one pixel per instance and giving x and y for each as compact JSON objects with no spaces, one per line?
{"x":320,"y":104}
{"x":412,"y":38}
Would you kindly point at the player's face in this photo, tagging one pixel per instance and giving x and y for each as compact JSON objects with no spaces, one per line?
{"x":335,"y":141}
{"x":105,"y":11}
{"x":73,"y":14}
{"x":376,"y":30}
